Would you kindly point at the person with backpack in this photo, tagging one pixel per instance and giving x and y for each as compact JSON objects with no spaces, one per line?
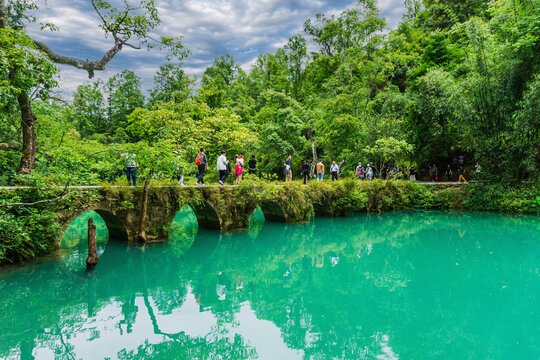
{"x":334,"y":169}
{"x":306,"y":170}
{"x":222,"y":167}
{"x":252,"y":165}
{"x":478,"y":171}
{"x":320,"y":171}
{"x":461,"y":172}
{"x":202,"y":165}
{"x":404,"y":172}
{"x":369,"y":172}
{"x":288,"y":169}
{"x":131,"y":167}
{"x":434,"y":173}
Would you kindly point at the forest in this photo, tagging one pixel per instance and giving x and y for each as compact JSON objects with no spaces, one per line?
{"x":453,"y":79}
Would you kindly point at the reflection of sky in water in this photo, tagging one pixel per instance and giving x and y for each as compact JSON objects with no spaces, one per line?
{"x":398,"y":285}
{"x":262,"y":334}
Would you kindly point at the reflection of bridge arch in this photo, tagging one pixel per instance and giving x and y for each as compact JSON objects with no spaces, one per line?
{"x":116,"y":228}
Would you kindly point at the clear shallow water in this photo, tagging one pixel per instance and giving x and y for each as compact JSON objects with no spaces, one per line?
{"x":404,"y":285}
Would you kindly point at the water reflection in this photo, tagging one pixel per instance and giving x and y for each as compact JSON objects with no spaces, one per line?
{"x":398,"y":285}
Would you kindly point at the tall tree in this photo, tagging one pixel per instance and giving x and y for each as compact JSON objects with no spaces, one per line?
{"x":129,"y":25}
{"x":171,"y":83}
{"x":124,"y":95}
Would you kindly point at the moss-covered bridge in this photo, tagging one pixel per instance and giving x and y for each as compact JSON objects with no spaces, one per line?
{"x":222,"y":208}
{"x":134,"y":215}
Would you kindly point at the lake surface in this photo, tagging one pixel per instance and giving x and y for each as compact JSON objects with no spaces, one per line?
{"x":400,"y":285}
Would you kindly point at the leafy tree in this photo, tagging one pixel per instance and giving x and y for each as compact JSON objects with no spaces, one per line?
{"x":189,"y":125}
{"x":23,"y":69}
{"x":296,"y":56}
{"x":124,"y":95}
{"x":88,"y":102}
{"x":386,"y":149}
{"x":432,"y":123}
{"x":128,"y":25}
{"x":171,"y":83}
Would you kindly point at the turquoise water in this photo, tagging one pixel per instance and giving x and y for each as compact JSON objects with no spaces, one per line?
{"x":402,"y":285}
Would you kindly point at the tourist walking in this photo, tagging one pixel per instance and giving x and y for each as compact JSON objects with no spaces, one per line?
{"x":131,"y":167}
{"x":478,"y":171}
{"x":320,"y":171}
{"x":404,"y":172}
{"x":202,"y":164}
{"x":334,"y":169}
{"x":369,"y":172}
{"x":178,"y":169}
{"x":449,"y":173}
{"x":384,"y":172}
{"x":434,"y":173}
{"x":252,"y":165}
{"x":288,"y":169}
{"x":238,"y":169}
{"x":461,"y":172}
{"x":412,"y":173}
{"x":241,"y":159}
{"x":306,"y":169}
{"x":222,"y":167}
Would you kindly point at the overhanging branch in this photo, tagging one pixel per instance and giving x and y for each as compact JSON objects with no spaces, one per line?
{"x":87,"y":65}
{"x":6,"y":146}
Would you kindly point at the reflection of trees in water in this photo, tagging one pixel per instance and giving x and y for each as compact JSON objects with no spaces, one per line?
{"x":212,"y":346}
{"x":358,"y":308}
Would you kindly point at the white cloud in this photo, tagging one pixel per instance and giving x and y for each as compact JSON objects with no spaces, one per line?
{"x":210,"y":28}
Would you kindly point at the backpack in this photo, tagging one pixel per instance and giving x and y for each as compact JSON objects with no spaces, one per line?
{"x":198,"y":160}
{"x":360,"y":171}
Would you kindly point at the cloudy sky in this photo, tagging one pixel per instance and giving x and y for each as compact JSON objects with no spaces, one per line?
{"x":211,"y":28}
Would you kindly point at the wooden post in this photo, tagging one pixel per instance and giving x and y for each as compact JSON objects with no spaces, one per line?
{"x":93,"y":258}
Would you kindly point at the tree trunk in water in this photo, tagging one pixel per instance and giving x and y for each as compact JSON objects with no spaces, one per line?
{"x":93,"y":258}
{"x":28,"y":120}
{"x":144,"y":216}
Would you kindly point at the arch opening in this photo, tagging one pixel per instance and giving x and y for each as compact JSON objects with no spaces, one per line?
{"x":113,"y":229}
{"x":74,"y":240}
{"x":116,"y":228}
{"x":273,"y":211}
{"x":76,"y":233}
{"x":207,"y":217}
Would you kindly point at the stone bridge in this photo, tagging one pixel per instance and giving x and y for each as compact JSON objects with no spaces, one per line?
{"x":222,"y":208}
{"x":231,"y":207}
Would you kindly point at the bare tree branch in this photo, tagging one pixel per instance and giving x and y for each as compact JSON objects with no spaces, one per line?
{"x":6,"y":146}
{"x":87,"y":65}
{"x":62,"y":195}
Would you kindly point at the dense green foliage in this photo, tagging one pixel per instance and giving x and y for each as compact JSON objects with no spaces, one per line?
{"x":453,"y":79}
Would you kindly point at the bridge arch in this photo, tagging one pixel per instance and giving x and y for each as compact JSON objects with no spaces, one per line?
{"x":273,"y":211}
{"x":115,"y":226}
{"x":207,"y":216}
